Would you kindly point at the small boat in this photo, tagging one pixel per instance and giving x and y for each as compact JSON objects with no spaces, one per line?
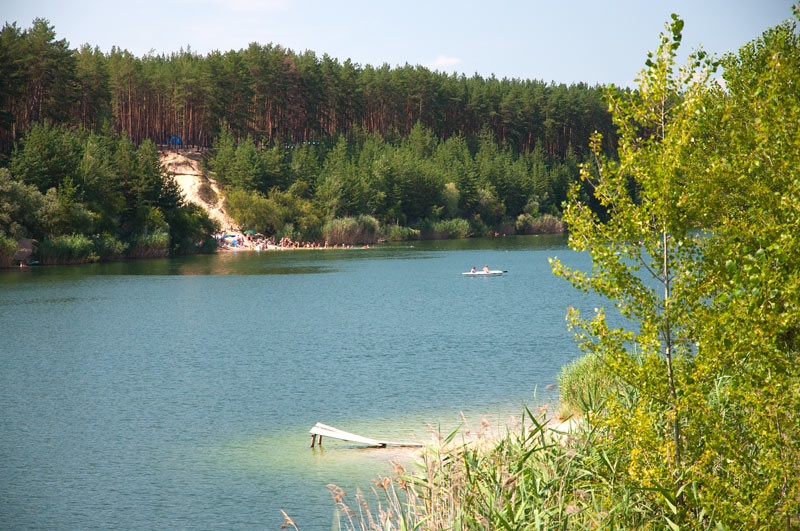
{"x":481,"y":273}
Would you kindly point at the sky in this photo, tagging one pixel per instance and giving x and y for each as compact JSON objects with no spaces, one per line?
{"x":560,"y":41}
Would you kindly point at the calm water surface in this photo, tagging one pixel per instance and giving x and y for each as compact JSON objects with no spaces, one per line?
{"x":178,"y":394}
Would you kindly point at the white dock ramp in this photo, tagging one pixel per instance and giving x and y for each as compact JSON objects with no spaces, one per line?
{"x":322,"y":430}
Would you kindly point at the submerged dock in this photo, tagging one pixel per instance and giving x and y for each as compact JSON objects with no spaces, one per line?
{"x":322,"y":430}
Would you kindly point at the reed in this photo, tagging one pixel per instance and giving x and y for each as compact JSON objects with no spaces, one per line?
{"x":398,"y":233}
{"x":67,"y":249}
{"x":153,"y":245}
{"x":447,"y":229}
{"x":544,"y":224}
{"x":584,"y":386}
{"x":108,"y":248}
{"x":351,"y":231}
{"x":531,"y":477}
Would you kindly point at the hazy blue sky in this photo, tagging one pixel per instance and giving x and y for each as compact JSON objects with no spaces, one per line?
{"x":565,"y":41}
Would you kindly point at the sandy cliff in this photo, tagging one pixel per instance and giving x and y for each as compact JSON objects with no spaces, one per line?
{"x":184,"y":166}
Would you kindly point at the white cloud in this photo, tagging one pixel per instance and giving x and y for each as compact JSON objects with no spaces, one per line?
{"x":443,"y":62}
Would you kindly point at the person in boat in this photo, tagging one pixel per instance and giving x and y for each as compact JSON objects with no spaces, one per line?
{"x":473,"y":270}
{"x":486,"y":269}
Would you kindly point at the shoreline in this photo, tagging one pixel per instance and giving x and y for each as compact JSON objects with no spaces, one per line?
{"x":237,"y":240}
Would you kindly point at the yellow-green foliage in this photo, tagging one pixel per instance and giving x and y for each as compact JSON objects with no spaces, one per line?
{"x":708,"y":423}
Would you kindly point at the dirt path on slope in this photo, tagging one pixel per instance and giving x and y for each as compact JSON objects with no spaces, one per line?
{"x":196,"y":188}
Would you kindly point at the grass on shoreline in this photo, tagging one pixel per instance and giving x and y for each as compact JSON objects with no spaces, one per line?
{"x":532,"y":477}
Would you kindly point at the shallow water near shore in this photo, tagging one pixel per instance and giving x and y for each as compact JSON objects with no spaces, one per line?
{"x":178,"y":394}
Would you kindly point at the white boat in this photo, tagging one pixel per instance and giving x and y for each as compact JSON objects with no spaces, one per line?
{"x":481,"y":273}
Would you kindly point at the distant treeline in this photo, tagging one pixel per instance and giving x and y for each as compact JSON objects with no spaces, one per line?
{"x":275,"y":95}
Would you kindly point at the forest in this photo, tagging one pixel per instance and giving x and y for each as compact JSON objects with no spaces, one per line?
{"x":298,"y":142}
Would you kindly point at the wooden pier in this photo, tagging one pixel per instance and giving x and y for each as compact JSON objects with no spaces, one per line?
{"x":322,"y":430}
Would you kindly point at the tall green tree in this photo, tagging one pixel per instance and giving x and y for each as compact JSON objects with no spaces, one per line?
{"x":645,"y":259}
{"x":19,"y":207}
{"x":101,"y":188}
{"x":698,"y":251}
{"x":47,"y":156}
{"x":94,"y":95}
{"x":48,"y":67}
{"x":247,"y":168}
{"x":748,"y":360}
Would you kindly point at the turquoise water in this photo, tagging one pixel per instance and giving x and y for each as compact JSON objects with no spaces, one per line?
{"x":178,"y":394}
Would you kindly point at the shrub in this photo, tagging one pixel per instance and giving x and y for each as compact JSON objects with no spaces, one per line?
{"x":351,"y":231}
{"x":8,"y":247}
{"x":108,"y":248}
{"x":397,"y":233}
{"x":447,"y":229}
{"x":67,"y":249}
{"x":544,"y":224}
{"x":207,"y":194}
{"x":155,"y":245}
{"x":584,"y":385}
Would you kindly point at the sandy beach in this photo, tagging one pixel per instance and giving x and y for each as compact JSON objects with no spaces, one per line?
{"x":184,"y":166}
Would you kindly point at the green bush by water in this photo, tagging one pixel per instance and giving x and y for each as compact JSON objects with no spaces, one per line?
{"x":155,"y":245}
{"x":352,"y":231}
{"x":447,"y":229}
{"x":68,"y":249}
{"x":108,"y":248}
{"x":8,"y":247}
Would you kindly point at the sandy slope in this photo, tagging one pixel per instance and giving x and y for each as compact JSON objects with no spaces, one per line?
{"x":184,"y":166}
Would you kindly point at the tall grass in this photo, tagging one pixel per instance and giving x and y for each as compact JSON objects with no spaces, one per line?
{"x":447,"y":229}
{"x":68,"y":249}
{"x":398,"y":233}
{"x":79,"y":249}
{"x":532,"y":477}
{"x":352,"y":231}
{"x":584,"y":385}
{"x":154,"y":245}
{"x":108,"y":248}
{"x":544,"y":224}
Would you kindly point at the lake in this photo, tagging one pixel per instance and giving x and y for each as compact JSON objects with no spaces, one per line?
{"x":178,"y":394}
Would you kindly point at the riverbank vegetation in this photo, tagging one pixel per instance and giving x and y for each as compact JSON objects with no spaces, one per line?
{"x":89,"y":197}
{"x":296,"y":141}
{"x":688,"y":414}
{"x":433,"y":188}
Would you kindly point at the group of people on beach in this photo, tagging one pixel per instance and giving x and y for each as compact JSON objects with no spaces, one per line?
{"x":235,"y":240}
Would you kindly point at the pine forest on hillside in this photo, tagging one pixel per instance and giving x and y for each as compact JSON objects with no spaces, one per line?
{"x":299,"y":143}
{"x":276,"y":96}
